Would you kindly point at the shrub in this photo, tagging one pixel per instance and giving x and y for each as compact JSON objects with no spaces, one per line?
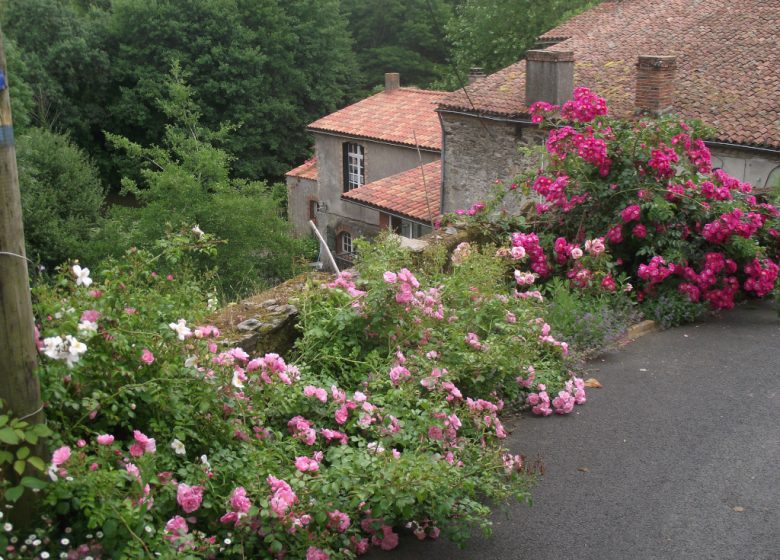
{"x":61,"y":197}
{"x":187,"y":180}
{"x":591,"y":322}
{"x":647,"y":189}
{"x":166,"y":443}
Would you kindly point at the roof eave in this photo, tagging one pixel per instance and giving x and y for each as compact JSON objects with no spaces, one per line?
{"x":389,"y":211}
{"x":352,"y":136}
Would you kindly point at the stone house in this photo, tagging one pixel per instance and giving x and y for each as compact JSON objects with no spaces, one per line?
{"x":714,"y":60}
{"x":376,"y":165}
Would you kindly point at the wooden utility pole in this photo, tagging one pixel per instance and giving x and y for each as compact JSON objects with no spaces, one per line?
{"x":19,"y":387}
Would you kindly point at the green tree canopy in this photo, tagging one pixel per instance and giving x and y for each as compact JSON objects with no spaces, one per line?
{"x":405,"y":36}
{"x":493,"y":34}
{"x":270,"y":67}
{"x":61,"y":197}
{"x":186,"y":180}
{"x":61,"y":59}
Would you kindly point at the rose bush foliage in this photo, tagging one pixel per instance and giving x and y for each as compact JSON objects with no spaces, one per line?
{"x":646,"y":189}
{"x":166,"y":441}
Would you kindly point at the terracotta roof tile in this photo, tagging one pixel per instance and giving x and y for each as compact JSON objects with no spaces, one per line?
{"x":306,"y":170}
{"x":728,"y":56}
{"x":404,"y":193}
{"x":391,"y":116}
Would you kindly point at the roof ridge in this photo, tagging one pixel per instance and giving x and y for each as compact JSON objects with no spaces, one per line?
{"x":420,"y":90}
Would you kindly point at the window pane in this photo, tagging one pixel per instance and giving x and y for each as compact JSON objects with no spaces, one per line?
{"x":346,"y":242}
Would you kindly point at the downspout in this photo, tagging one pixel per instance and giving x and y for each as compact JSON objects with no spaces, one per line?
{"x":443,"y":167}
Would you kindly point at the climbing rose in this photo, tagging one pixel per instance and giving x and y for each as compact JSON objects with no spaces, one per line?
{"x":239,"y":501}
{"x":175,"y":528}
{"x":189,"y":497}
{"x":82,"y":276}
{"x":60,"y":456}
{"x":105,"y":439}
{"x":338,"y":521}
{"x":305,"y":464}
{"x":314,"y":553}
{"x":147,"y":357}
{"x":143,"y":444}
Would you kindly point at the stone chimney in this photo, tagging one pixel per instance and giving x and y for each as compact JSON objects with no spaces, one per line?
{"x":549,"y":76}
{"x":392,"y":81}
{"x":655,"y":84}
{"x":476,"y":74}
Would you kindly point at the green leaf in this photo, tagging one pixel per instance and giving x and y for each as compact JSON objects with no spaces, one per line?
{"x":109,"y":528}
{"x":22,"y":453}
{"x":13,"y":494}
{"x":37,"y":462}
{"x":19,"y":466}
{"x":32,"y":482}
{"x":8,"y":435}
{"x":32,"y":437}
{"x":42,"y":430}
{"x":6,"y":457}
{"x":3,"y":420}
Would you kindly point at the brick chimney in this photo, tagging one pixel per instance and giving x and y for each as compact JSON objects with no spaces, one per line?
{"x":549,"y":76}
{"x":476,"y":74}
{"x":655,"y":84}
{"x":392,"y":81}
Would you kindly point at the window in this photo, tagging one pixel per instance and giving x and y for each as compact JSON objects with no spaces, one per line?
{"x":407,"y":228}
{"x":313,"y":210}
{"x":346,"y":242}
{"x":354,"y":166}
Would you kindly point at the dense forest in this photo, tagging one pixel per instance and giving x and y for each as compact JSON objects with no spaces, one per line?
{"x":183,"y":112}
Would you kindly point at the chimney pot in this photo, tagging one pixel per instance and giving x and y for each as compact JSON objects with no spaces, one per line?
{"x":549,"y":76}
{"x":476,"y":74}
{"x":392,"y":81}
{"x":655,"y":80}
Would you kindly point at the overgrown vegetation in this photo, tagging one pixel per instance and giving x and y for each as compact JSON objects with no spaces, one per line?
{"x":687,"y":237}
{"x":165,"y":443}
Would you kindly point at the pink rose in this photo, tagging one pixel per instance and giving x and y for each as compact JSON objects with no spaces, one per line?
{"x":175,"y":528}
{"x":90,"y":315}
{"x":189,"y":497}
{"x":105,"y":439}
{"x":314,"y":553}
{"x":147,"y":357}
{"x":238,"y":500}
{"x":60,"y":456}
{"x":143,"y":444}
{"x":305,"y":464}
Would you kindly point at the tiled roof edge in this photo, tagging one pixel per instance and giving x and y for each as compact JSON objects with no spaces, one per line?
{"x":332,"y":131}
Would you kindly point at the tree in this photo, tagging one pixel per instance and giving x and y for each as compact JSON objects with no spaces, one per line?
{"x":405,"y":36}
{"x":62,"y":61}
{"x":186,"y":181}
{"x":62,"y":197}
{"x":269,"y":66}
{"x":493,"y":34}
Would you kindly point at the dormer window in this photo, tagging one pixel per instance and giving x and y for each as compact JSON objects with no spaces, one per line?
{"x":354,"y":166}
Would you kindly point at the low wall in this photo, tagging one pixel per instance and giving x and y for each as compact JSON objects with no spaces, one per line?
{"x":266,"y":321}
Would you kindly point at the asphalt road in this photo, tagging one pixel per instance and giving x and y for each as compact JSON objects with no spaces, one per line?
{"x":676,"y":457}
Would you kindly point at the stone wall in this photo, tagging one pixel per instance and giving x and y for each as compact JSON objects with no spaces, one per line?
{"x":300,"y":194}
{"x":381,"y":160}
{"x":266,"y":322}
{"x":479,"y":151}
{"x":760,"y":169}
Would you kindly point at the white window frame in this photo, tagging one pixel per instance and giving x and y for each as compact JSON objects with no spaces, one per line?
{"x":356,"y":167}
{"x":346,"y":242}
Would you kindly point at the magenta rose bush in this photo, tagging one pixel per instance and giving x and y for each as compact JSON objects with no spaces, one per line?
{"x":687,"y":236}
{"x":385,"y":419}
